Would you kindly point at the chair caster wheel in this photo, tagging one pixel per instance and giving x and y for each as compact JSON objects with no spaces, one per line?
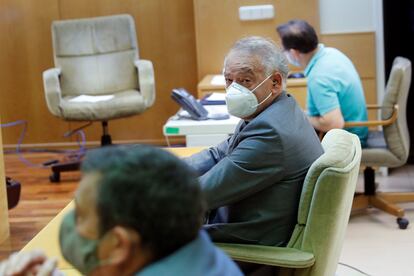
{"x":54,"y":177}
{"x":402,"y":223}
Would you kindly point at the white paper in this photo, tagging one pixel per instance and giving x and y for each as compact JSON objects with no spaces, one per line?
{"x":216,"y":97}
{"x":91,"y":99}
{"x":216,"y":109}
{"x":218,"y":80}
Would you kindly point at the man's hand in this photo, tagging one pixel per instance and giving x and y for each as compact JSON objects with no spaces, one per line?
{"x":29,"y":263}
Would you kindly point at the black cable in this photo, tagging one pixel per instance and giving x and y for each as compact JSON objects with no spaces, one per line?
{"x":354,"y":268}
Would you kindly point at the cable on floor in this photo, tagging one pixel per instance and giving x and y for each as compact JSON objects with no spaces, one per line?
{"x":354,"y":268}
{"x":80,"y":139}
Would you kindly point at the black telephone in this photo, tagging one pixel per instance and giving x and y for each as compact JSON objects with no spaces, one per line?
{"x":189,"y":104}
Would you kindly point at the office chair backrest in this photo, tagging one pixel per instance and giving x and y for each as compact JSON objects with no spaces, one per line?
{"x":396,"y":135}
{"x":326,"y":202}
{"x":96,"y":55}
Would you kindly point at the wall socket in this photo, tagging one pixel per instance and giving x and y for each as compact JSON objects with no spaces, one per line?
{"x":257,"y":12}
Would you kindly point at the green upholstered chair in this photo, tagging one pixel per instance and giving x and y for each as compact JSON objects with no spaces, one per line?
{"x":316,"y":242}
{"x":389,"y":147}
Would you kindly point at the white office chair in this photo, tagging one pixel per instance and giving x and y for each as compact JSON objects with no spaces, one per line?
{"x":96,"y":57}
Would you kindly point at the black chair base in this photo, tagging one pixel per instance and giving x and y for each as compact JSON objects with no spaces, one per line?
{"x":74,"y":165}
{"x":63,"y":167}
{"x":383,"y":201}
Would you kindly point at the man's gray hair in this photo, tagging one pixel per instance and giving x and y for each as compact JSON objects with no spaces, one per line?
{"x":271,"y":55}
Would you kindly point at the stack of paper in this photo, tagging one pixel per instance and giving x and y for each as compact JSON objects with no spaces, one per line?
{"x":214,"y":99}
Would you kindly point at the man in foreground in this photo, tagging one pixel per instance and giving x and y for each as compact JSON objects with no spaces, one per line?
{"x":138,"y":212}
{"x":253,"y":180}
{"x":335,"y":94}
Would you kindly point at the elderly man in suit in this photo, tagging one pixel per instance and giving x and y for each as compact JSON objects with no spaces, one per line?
{"x":253,"y":180}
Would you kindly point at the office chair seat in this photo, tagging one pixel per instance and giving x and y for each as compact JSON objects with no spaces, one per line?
{"x":122,"y":104}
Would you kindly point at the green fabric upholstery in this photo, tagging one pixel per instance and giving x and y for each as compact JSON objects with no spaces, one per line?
{"x":324,"y":209}
{"x":94,"y":57}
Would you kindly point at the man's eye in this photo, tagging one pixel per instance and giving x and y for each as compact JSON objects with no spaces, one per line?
{"x":245,"y":81}
{"x":228,"y":82}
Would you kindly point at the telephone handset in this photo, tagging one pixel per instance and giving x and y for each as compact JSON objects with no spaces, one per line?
{"x":190,"y":104}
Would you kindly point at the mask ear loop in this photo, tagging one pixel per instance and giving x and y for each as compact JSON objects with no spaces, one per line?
{"x":261,"y":83}
{"x":256,"y":105}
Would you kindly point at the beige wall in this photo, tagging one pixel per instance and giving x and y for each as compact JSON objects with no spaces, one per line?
{"x":218,"y":26}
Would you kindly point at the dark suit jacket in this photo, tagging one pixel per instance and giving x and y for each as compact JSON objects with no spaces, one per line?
{"x":254,"y":179}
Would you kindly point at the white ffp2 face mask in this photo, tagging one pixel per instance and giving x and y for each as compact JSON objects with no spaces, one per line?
{"x":241,"y":102}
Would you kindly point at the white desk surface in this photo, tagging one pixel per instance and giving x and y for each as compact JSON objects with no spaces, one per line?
{"x":177,"y":126}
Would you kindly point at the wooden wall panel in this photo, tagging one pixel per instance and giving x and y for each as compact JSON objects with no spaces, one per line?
{"x":218,"y":26}
{"x":166,"y":36}
{"x":25,"y":51}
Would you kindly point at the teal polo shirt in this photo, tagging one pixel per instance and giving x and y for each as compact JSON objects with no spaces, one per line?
{"x":333,"y":82}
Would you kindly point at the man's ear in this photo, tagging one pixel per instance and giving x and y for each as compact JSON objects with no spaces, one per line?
{"x":277,"y":82}
{"x":120,"y":246}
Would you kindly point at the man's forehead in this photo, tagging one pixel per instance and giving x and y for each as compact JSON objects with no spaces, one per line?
{"x":243,"y":63}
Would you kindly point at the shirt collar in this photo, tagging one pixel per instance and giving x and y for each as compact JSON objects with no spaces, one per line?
{"x":201,"y":244}
{"x":315,"y":57}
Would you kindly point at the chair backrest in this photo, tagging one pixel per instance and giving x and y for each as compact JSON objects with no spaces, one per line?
{"x":396,"y":92}
{"x":96,"y":55}
{"x":326,"y":202}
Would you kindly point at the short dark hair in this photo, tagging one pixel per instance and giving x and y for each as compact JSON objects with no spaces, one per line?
{"x":149,"y":190}
{"x":298,"y":35}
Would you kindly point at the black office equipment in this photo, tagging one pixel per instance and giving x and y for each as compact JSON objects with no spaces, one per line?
{"x":13,"y":192}
{"x":189,"y":104}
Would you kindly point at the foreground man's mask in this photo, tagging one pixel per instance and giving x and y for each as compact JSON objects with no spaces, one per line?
{"x":241,"y":102}
{"x":80,"y":252}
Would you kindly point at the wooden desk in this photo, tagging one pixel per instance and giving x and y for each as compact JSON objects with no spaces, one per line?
{"x":48,"y":238}
{"x":295,"y":87}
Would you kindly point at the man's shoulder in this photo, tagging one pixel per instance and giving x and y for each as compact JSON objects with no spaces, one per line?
{"x":198,"y":257}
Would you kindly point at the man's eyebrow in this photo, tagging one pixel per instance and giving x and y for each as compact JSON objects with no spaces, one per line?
{"x":243,"y":70}
{"x":246,"y":70}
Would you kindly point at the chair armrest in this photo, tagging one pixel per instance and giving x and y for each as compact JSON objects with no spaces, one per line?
{"x":376,"y":106}
{"x":268,"y":255}
{"x":146,"y":80}
{"x":52,"y":89}
{"x":387,"y":122}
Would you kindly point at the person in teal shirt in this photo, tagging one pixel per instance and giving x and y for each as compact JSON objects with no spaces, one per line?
{"x":335,"y":93}
{"x":138,"y":211}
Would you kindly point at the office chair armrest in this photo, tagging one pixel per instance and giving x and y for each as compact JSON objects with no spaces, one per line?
{"x":52,"y":89}
{"x":146,"y":80}
{"x":268,"y":255}
{"x":387,"y":122}
{"x":376,"y":106}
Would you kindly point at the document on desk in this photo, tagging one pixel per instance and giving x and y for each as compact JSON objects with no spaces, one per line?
{"x":214,"y":99}
{"x":214,"y":111}
{"x":91,"y":99}
{"x":218,"y":80}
